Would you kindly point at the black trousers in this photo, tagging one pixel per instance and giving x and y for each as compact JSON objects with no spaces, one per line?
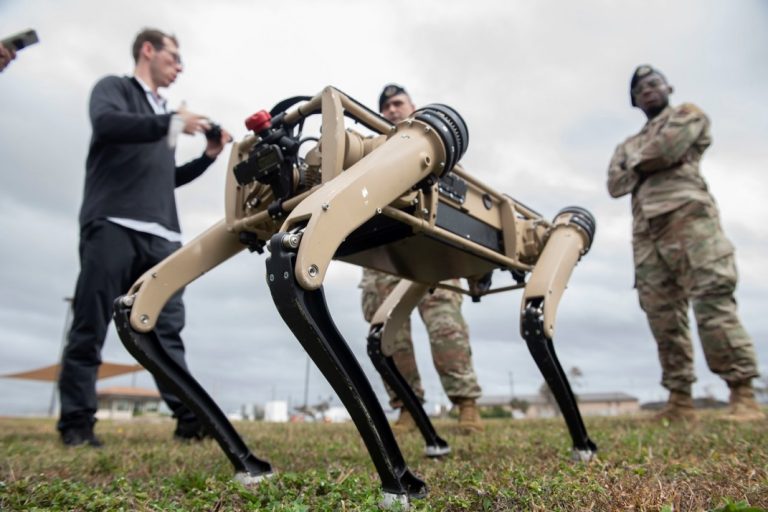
{"x":112,"y":257}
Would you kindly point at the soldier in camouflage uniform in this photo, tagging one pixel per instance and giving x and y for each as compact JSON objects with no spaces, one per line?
{"x":441,"y":313}
{"x":681,"y":253}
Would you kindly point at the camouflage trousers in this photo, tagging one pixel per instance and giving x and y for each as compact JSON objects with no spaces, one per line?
{"x":680,"y":257}
{"x":448,"y":338}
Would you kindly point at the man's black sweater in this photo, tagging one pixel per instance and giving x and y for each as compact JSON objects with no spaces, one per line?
{"x":130,"y":170}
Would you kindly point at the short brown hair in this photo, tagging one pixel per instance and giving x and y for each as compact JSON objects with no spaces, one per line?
{"x":153,"y":36}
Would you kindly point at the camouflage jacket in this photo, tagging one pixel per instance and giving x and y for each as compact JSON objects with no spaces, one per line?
{"x":660,"y":165}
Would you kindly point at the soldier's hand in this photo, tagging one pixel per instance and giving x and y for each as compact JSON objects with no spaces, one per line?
{"x":632,"y":161}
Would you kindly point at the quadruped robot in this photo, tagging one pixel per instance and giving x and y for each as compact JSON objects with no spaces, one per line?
{"x":390,"y":202}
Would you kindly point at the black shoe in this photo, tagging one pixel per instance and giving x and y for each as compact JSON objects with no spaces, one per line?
{"x":190,"y":431}
{"x":77,"y":436}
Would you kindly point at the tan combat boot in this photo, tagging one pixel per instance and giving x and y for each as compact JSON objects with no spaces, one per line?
{"x":405,"y":422}
{"x":469,"y":416}
{"x":743,"y":407}
{"x":679,"y":407}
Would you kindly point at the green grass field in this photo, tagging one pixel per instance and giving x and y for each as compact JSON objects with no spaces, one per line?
{"x":514,"y":465}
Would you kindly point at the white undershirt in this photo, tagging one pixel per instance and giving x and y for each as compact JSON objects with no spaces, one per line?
{"x":159,"y":106}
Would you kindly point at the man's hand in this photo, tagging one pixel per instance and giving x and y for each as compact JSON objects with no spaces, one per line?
{"x":633,"y":160}
{"x":215,"y":146}
{"x":193,"y":123}
{"x":6,"y":56}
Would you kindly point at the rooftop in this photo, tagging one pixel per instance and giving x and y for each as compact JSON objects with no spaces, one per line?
{"x":612,"y":396}
{"x":127,"y":392}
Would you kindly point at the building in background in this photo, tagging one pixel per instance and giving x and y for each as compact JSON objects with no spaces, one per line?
{"x":125,"y":403}
{"x":276,"y":411}
{"x":542,"y":406}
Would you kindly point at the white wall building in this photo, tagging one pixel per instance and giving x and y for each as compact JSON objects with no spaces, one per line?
{"x":276,"y":411}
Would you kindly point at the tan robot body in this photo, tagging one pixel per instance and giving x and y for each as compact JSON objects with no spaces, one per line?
{"x":388,"y":202}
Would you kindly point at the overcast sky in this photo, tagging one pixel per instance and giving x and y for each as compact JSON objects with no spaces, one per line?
{"x":542,"y":86}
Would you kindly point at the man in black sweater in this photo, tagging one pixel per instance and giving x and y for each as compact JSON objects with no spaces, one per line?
{"x":128,"y":222}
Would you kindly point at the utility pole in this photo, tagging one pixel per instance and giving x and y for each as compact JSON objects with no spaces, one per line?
{"x":64,"y":335}
{"x":306,"y":386}
{"x":511,"y":387}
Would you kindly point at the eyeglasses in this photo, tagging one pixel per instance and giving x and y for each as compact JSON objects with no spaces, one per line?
{"x":175,"y":55}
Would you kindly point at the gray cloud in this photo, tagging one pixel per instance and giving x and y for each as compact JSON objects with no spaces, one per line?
{"x":542,"y":86}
